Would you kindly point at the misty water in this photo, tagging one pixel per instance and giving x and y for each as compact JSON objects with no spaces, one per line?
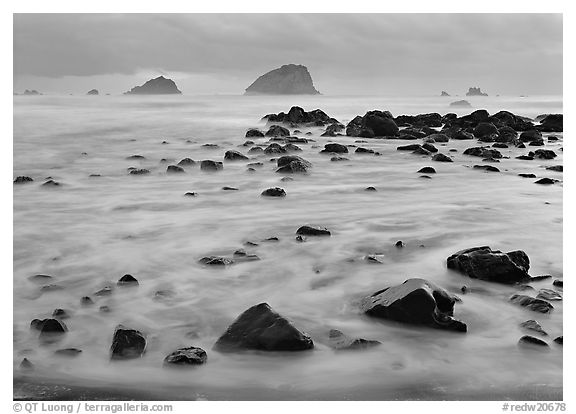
{"x":90,"y":231}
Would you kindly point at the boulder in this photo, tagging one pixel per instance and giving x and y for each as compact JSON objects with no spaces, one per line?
{"x":491,"y":265}
{"x":139,"y":171}
{"x":532,"y":325}
{"x":254,"y":133}
{"x":336,"y":148}
{"x":22,"y":180}
{"x":338,"y":340}
{"x":534,"y":304}
{"x":438,"y":138}
{"x":274,"y":192}
{"x":49,"y":327}
{"x":427,"y":170}
{"x":530,"y":135}
{"x":261,"y":328}
{"x":312,"y":231}
{"x":552,"y":123}
{"x":416,"y":301}
{"x":483,"y":152}
{"x":548,"y":294}
{"x":186,"y":162}
{"x":216,"y":261}
{"x":545,"y":181}
{"x":489,"y":168}
{"x":174,"y":169}
{"x":277,"y":131}
{"x":234,"y":156}
{"x":441,"y":158}
{"x":209,"y":165}
{"x":485,"y":128}
{"x":186,"y":356}
{"x":127,"y":280}
{"x":380,"y":123}
{"x":290,"y":164}
{"x":274,"y":148}
{"x":528,"y":340}
{"x":92,"y":92}
{"x":543,"y":154}
{"x":127,"y":343}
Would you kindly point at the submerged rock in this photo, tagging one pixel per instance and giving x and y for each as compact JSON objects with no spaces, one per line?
{"x":483,"y":152}
{"x":548,"y":294}
{"x":416,"y":301}
{"x":139,"y":171}
{"x":22,"y":179}
{"x":127,"y":343}
{"x":187,"y":356}
{"x":68,"y":352}
{"x":534,"y":304}
{"x":441,"y":158}
{"x":492,"y":265}
{"x":490,"y":168}
{"x":532,"y":325}
{"x":261,"y":328}
{"x":312,"y":231}
{"x":338,"y":340}
{"x":546,"y":181}
{"x":186,"y":162}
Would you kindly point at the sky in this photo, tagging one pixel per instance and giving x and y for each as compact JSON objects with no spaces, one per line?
{"x":346,"y":54}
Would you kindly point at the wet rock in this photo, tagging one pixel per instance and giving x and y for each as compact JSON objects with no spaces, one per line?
{"x":499,"y":145}
{"x":49,"y":327}
{"x":437,"y":138}
{"x":558,"y":283}
{"x":127,"y":280}
{"x":190,"y":194}
{"x":68,"y":352}
{"x":524,"y":175}
{"x":106,"y":291}
{"x":313,"y":231}
{"x":490,"y":168}
{"x":545,"y":181}
{"x":552,"y":123}
{"x":416,"y":301}
{"x":370,"y":189}
{"x":525,"y":157}
{"x":174,"y":169}
{"x":532,"y":325}
{"x":559,"y":340}
{"x":187,"y":356}
{"x":427,"y":170}
{"x":429,"y":147}
{"x":543,"y":154}
{"x":186,"y":162}
{"x":274,"y":148}
{"x":290,"y":164}
{"x":338,"y":340}
{"x":336,"y":148}
{"x":421,"y":151}
{"x":261,"y":328}
{"x":139,"y":171}
{"x":291,"y":148}
{"x":528,"y":340}
{"x":537,"y":143}
{"x":26,"y":365}
{"x":558,"y":168}
{"x":209,"y":165}
{"x":254,"y":150}
{"x":548,"y":294}
{"x":530,"y":135}
{"x":483,"y":152}
{"x":336,"y":159}
{"x":51,"y":183}
{"x":60,"y":314}
{"x":216,"y":261}
{"x":362,"y":150}
{"x":232,"y":155}
{"x":277,"y":131}
{"x":332,"y":130}
{"x":409,"y":147}
{"x":136,"y":157}
{"x":86,"y":301}
{"x":441,"y":158}
{"x":22,"y":179}
{"x":254,"y":133}
{"x":274,"y":192}
{"x":226,"y":188}
{"x":485,"y":128}
{"x":399,"y":244}
{"x":492,"y":265}
{"x":534,"y":304}
{"x":127,"y":343}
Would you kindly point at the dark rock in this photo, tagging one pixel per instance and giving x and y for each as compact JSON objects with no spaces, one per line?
{"x":254,"y":133}
{"x":531,"y":135}
{"x":485,"y":128}
{"x":127,"y":280}
{"x":483,"y":152}
{"x":548,"y":294}
{"x":287,"y":80}
{"x":525,"y":157}
{"x":552,"y":123}
{"x":209,"y":165}
{"x":92,"y":92}
{"x":186,"y":162}
{"x":274,"y":148}
{"x":336,"y":148}
{"x":68,"y":352}
{"x":381,"y":123}
{"x":127,"y":343}
{"x":499,"y":145}
{"x":289,"y":164}
{"x":51,"y":183}
{"x":60,"y":314}
{"x":339,"y":159}
{"x":524,"y":175}
{"x":277,"y":131}
{"x":528,"y":340}
{"x":559,"y":340}
{"x":444,"y":93}
{"x":22,"y":179}
{"x":532,"y":325}
{"x":441,"y":158}
{"x":421,"y":120}
{"x":291,"y":148}
{"x":558,"y":168}
{"x":187,"y":356}
{"x":370,"y":189}
{"x":543,"y":154}
{"x":226,"y":188}
{"x":534,"y":304}
{"x":437,"y":138}
{"x":158,"y":86}
{"x":313,"y":231}
{"x":26,"y":365}
{"x":106,"y":291}
{"x":475,"y":92}
{"x":86,"y":301}
{"x":338,"y":340}
{"x":461,"y":104}
{"x":216,"y":261}
{"x":49,"y":327}
{"x":274,"y":192}
{"x":416,"y":301}
{"x":261,"y":328}
{"x":429,"y":147}
{"x":462,"y":135}
{"x":174,"y":169}
{"x":427,"y":170}
{"x":545,"y":181}
{"x":487,"y":168}
{"x":40,"y":278}
{"x":399,"y":244}
{"x":558,"y":283}
{"x":507,"y":134}
{"x":139,"y":171}
{"x":362,"y":150}
{"x":492,"y":265}
{"x":234,"y":156}
{"x":409,"y":147}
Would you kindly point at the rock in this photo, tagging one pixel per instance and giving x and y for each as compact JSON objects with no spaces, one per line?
{"x":26,"y":365}
{"x":525,"y":157}
{"x":291,"y":148}
{"x":287,"y":80}
{"x":31,"y":92}
{"x":507,"y":134}
{"x":22,"y":179}
{"x":534,"y":304}
{"x":332,"y":130}
{"x":60,"y":314}
{"x":106,"y":291}
{"x":274,"y":192}
{"x":475,"y":92}
{"x":548,"y":294}
{"x":422,"y":120}
{"x":157,"y":86}
{"x":486,"y":168}
{"x":532,"y":325}
{"x":227,"y":188}
{"x":558,"y":283}
{"x":559,"y":340}
{"x":438,"y":138}
{"x":444,"y":93}
{"x":174,"y":169}
{"x":127,"y":343}
{"x":362,"y":150}
{"x":51,"y":183}
{"x":429,"y":147}
{"x":399,"y":244}
{"x":380,"y":123}
{"x":312,"y":231}
{"x":441,"y":158}
{"x":499,"y":145}
{"x":127,"y":280}
{"x":461,"y":104}
{"x":485,"y":129}
{"x":234,"y":156}
{"x":483,"y":152}
{"x":524,"y":175}
{"x":254,"y":133}
{"x":186,"y":162}
{"x":558,"y":168}
{"x":139,"y":171}
{"x":370,"y":189}
{"x":86,"y":301}
{"x":545,"y":181}
{"x":335,"y":159}
{"x":552,"y":123}
{"x":92,"y":92}
{"x":530,"y":135}
{"x":277,"y":131}
{"x":68,"y":352}
{"x":338,"y":340}
{"x":187,"y":356}
{"x":49,"y":327}
{"x":336,"y":148}
{"x":40,"y":278}
{"x":491,"y":265}
{"x":409,"y":147}
{"x":290,"y":164}
{"x":274,"y":148}
{"x":528,"y":340}
{"x":216,"y":261}
{"x":416,"y":301}
{"x":543,"y":154}
{"x":261,"y":328}
{"x":298,"y":116}
{"x":209,"y":165}
{"x":427,"y":170}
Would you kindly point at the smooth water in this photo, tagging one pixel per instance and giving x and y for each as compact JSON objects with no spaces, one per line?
{"x":92,"y":230}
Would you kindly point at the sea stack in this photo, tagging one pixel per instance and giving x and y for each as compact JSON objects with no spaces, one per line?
{"x":157,"y":86}
{"x":287,"y":80}
{"x":92,"y":92}
{"x":475,"y":92}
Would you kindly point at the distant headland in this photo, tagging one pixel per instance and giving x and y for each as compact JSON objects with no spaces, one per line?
{"x":157,"y":86}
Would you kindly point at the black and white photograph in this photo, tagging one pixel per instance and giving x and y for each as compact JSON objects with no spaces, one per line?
{"x":287,"y":206}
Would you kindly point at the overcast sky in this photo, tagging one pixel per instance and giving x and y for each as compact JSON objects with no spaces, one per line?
{"x":508,"y":54}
